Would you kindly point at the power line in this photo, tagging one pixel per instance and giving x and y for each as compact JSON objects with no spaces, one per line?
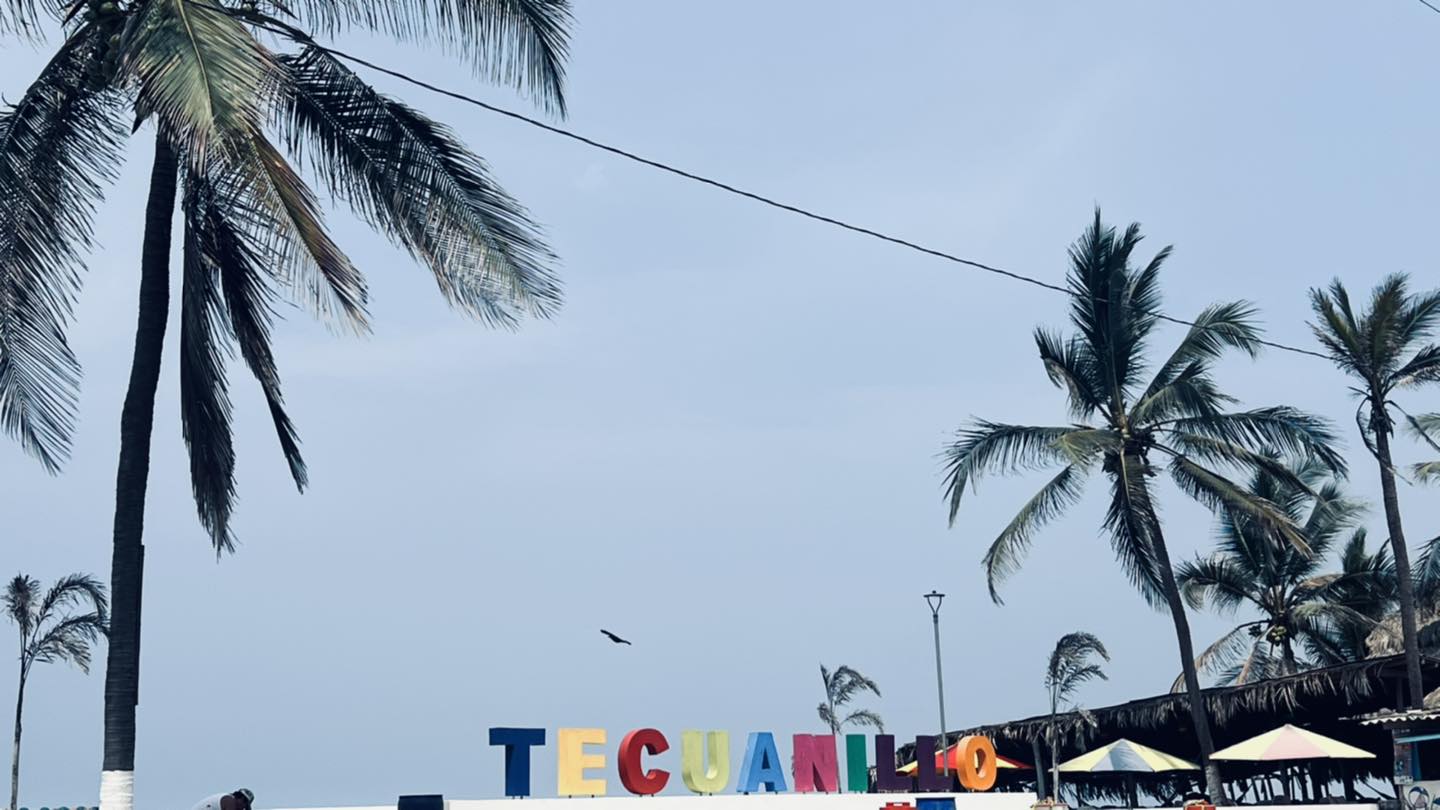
{"x":1430,"y":6}
{"x":726,"y":187}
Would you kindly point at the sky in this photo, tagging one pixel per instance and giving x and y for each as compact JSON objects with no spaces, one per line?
{"x":724,"y":447}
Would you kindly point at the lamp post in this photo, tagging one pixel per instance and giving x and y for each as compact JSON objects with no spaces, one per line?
{"x":933,"y":599}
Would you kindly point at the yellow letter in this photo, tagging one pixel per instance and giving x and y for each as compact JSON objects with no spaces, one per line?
{"x":574,"y":762}
{"x":700,"y":776}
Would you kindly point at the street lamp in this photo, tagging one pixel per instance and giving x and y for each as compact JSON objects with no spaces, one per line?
{"x":933,"y":599}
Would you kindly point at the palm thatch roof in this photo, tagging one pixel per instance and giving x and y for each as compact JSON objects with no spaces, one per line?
{"x":1323,"y":700}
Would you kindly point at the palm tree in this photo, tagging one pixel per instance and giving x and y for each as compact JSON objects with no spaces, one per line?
{"x":1071,"y":666}
{"x":1367,"y":586}
{"x":252,"y":231}
{"x":1131,"y":430}
{"x":1255,"y":567}
{"x":1383,"y":349}
{"x":51,"y":630}
{"x":842,"y":686}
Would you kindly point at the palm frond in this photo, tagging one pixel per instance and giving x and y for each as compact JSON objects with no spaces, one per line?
{"x":1426,"y":428}
{"x":1219,"y":492}
{"x":1420,"y":319}
{"x":59,"y":146}
{"x":1289,"y":430}
{"x":1217,"y":581}
{"x":1422,"y":369}
{"x":1339,"y":332}
{"x":864,"y":717}
{"x":992,"y":447}
{"x":1006,"y":552}
{"x":1221,"y":656}
{"x":234,"y":232}
{"x":1191,"y":393}
{"x":17,"y":16}
{"x":1427,"y":573}
{"x":1072,"y":664}
{"x":205,"y":411}
{"x":72,"y":590}
{"x":201,"y":72}
{"x":1217,"y":328}
{"x":827,"y":717}
{"x":522,"y":43}
{"x":316,"y":268}
{"x":21,"y":597}
{"x":1265,"y":463}
{"x":69,"y":640}
{"x":849,"y":682}
{"x":412,"y":179}
{"x":1066,"y":365}
{"x":1113,"y":305}
{"x":1133,"y":526}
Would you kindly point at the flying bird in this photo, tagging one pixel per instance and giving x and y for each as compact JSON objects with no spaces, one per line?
{"x":615,"y":638}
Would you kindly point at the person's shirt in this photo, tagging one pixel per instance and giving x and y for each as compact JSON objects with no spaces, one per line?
{"x":220,"y":801}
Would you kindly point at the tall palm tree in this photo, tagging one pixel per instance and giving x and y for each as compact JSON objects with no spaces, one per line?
{"x":842,"y":686}
{"x":1383,"y":349}
{"x":1132,"y":430}
{"x":1071,"y":665}
{"x":1254,"y":567}
{"x":57,"y":625}
{"x":199,"y":73}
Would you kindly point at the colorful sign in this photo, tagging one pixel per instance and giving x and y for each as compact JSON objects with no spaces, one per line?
{"x":705,"y":763}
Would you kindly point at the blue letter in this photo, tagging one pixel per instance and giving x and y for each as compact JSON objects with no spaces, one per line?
{"x":517,"y":742}
{"x":761,"y":765}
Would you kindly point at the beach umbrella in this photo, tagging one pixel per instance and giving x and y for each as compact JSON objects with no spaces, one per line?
{"x":1128,"y":758}
{"x":953,"y":752}
{"x":1124,"y":756}
{"x":1289,"y":743}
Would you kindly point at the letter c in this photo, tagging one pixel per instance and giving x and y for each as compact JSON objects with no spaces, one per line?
{"x":633,"y":775}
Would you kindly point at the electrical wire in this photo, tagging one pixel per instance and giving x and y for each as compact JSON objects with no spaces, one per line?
{"x":713,"y":183}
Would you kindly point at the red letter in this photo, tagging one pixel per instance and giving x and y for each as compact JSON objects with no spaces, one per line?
{"x":815,"y":765}
{"x":633,"y":775}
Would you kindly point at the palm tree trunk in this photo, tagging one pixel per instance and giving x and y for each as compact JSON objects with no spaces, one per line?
{"x":1054,"y":747}
{"x":1035,"y":750}
{"x":1198,"y":716}
{"x":122,"y":668}
{"x":15,"y":755}
{"x":1402,"y":570}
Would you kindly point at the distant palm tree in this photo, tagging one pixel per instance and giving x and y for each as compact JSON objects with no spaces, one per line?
{"x":50,"y":631}
{"x":1071,"y":666}
{"x":1132,"y":430}
{"x":1385,"y":348}
{"x":842,"y":686}
{"x":1255,"y":567}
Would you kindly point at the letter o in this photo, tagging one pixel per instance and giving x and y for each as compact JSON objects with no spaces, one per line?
{"x":977,"y":763}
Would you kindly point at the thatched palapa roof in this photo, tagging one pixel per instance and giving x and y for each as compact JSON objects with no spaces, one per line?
{"x":1322,"y":700}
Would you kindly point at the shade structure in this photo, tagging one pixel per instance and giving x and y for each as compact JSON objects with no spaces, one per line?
{"x":953,"y":753}
{"x":1290,"y":743}
{"x":1124,"y":756}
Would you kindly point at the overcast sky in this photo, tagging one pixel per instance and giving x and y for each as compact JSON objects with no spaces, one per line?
{"x":724,"y":448}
